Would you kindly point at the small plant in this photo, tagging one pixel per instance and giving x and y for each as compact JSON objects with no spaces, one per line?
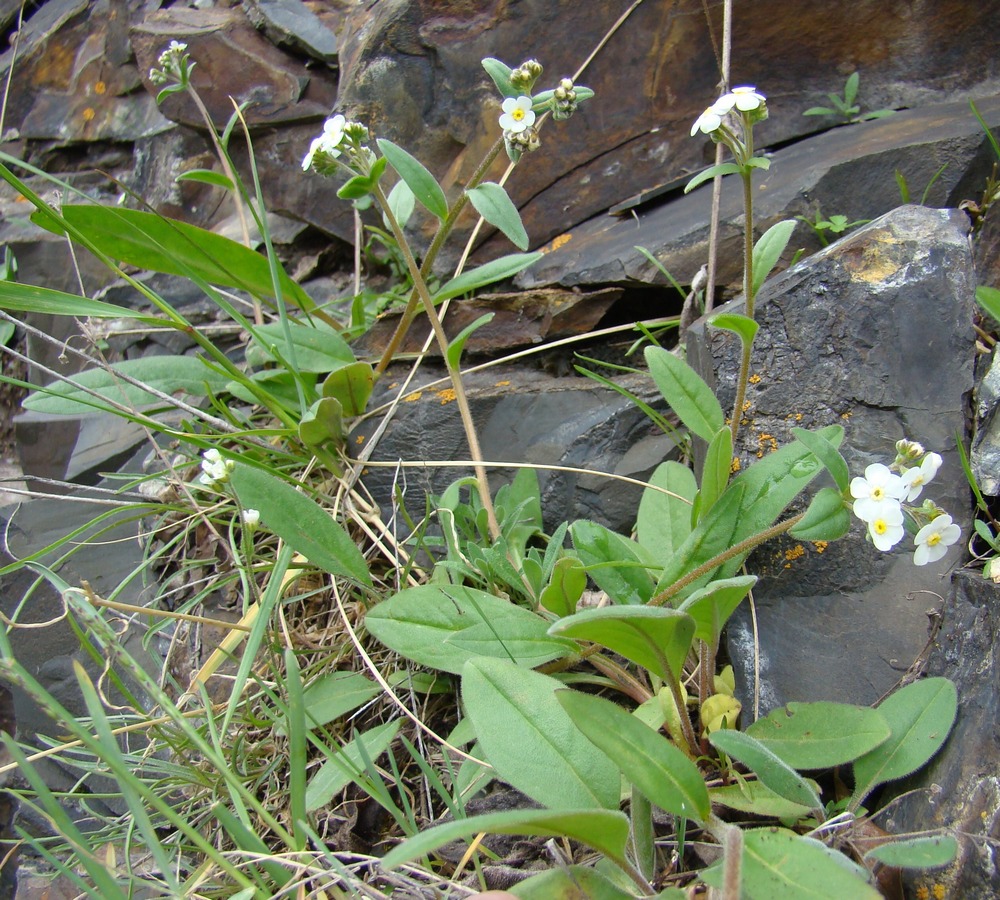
{"x":845,"y":107}
{"x":836,"y":225}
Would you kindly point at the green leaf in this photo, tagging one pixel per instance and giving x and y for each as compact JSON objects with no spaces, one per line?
{"x":728,"y":168}
{"x":759,"y":162}
{"x":826,"y":519}
{"x":604,"y":830}
{"x":664,"y":520}
{"x":333,"y":695}
{"x":712,"y":605}
{"x":617,"y":565}
{"x":656,"y":638}
{"x":740,"y":325}
{"x":571,"y":883}
{"x":351,"y":385}
{"x":827,"y":454}
{"x":207,"y":176}
{"x":820,"y":735}
{"x":500,"y":73}
{"x":168,"y":374}
{"x":780,"y":864}
{"x":16,"y":297}
{"x":322,"y":422}
{"x":820,"y":111}
{"x":987,"y":297}
{"x":488,"y":273}
{"x":920,"y":717}
{"x":457,"y":343}
{"x":426,"y":190}
{"x":768,"y":250}
{"x":916,"y":853}
{"x":851,"y":88}
{"x":565,"y":587}
{"x":401,"y":203}
{"x":714,"y":535}
{"x":316,"y":348}
{"x":150,"y":241}
{"x":685,"y":392}
{"x":495,"y":206}
{"x":348,"y":763}
{"x":531,"y":741}
{"x":301,"y":522}
{"x":772,"y":771}
{"x":648,"y":760}
{"x":716,"y":470}
{"x":355,"y":188}
{"x":443,"y":626}
{"x":754,"y":798}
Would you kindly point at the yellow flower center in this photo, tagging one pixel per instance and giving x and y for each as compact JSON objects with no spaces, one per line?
{"x":878,"y":494}
{"x":517,"y":114}
{"x":934,"y":539}
{"x":879,"y":526}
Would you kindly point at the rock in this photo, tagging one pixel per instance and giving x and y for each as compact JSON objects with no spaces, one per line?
{"x":875,"y":334}
{"x":235,"y":61}
{"x":519,"y":320}
{"x":847,"y":171}
{"x":985,"y":454}
{"x":293,"y":24}
{"x":411,"y":70}
{"x":526,"y":416}
{"x":960,"y":789}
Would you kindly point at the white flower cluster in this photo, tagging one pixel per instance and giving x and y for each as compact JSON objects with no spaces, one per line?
{"x":880,"y":500}
{"x":173,"y":65}
{"x":214,"y":469}
{"x":328,"y":142}
{"x":742,"y":99}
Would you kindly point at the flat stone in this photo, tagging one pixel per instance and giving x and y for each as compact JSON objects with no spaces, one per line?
{"x":293,"y":24}
{"x":874,"y":334}
{"x":411,"y":71}
{"x":233,"y":61}
{"x":846,"y":171}
{"x":525,"y":415}
{"x":960,"y":789}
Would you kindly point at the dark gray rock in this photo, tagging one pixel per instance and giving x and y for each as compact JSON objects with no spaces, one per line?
{"x":985,"y":454}
{"x":293,"y":24}
{"x":875,"y":334}
{"x":960,"y":789}
{"x":847,"y":171}
{"x":527,"y":416}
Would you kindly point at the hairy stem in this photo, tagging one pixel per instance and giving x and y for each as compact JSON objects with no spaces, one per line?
{"x":420,"y":285}
{"x":748,"y":292}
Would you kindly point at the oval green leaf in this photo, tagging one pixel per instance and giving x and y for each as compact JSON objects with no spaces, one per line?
{"x":916,"y":853}
{"x":348,"y":763}
{"x":488,"y":273}
{"x":827,"y":454}
{"x":820,"y":735}
{"x":494,"y":204}
{"x":425,"y":189}
{"x":351,"y":384}
{"x":301,"y":522}
{"x":686,"y":393}
{"x":773,"y":773}
{"x":646,"y":758}
{"x":740,"y":325}
{"x":617,"y":565}
{"x":768,"y":249}
{"x":530,"y":740}
{"x":444,"y":626}
{"x":712,"y":605}
{"x":664,"y":519}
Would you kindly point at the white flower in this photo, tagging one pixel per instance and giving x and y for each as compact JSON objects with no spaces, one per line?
{"x":517,"y":114}
{"x":886,"y":527}
{"x":176,"y":47}
{"x":916,"y":477}
{"x":214,"y":469}
{"x":251,"y":519}
{"x":327,"y":142}
{"x":878,"y":488}
{"x":708,"y":121}
{"x":934,"y":539}
{"x":747,"y":99}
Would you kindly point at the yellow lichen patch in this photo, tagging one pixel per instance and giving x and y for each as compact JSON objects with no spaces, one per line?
{"x":746,"y":406}
{"x":794,"y":552}
{"x":560,"y":240}
{"x":735,"y":466}
{"x":414,"y":397}
{"x":922,"y":893}
{"x":502,"y":383}
{"x":846,"y":415}
{"x":446,"y":395}
{"x":878,"y":262}
{"x":766,"y":442}
{"x":939,"y":891}
{"x":821,"y":546}
{"x":754,"y":379}
{"x":88,"y":114}
{"x":100,"y":87}
{"x":359,"y":440}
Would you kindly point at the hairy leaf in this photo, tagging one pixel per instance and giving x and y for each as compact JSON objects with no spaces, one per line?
{"x":773,"y":773}
{"x":495,"y":206}
{"x":426,"y":190}
{"x":686,"y":393}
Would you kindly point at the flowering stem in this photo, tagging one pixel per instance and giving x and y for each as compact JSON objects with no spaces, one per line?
{"x":748,"y":291}
{"x":420,"y":286}
{"x":444,"y":229}
{"x":744,"y":546}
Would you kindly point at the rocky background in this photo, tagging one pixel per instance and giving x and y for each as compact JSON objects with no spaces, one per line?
{"x":875,"y":332}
